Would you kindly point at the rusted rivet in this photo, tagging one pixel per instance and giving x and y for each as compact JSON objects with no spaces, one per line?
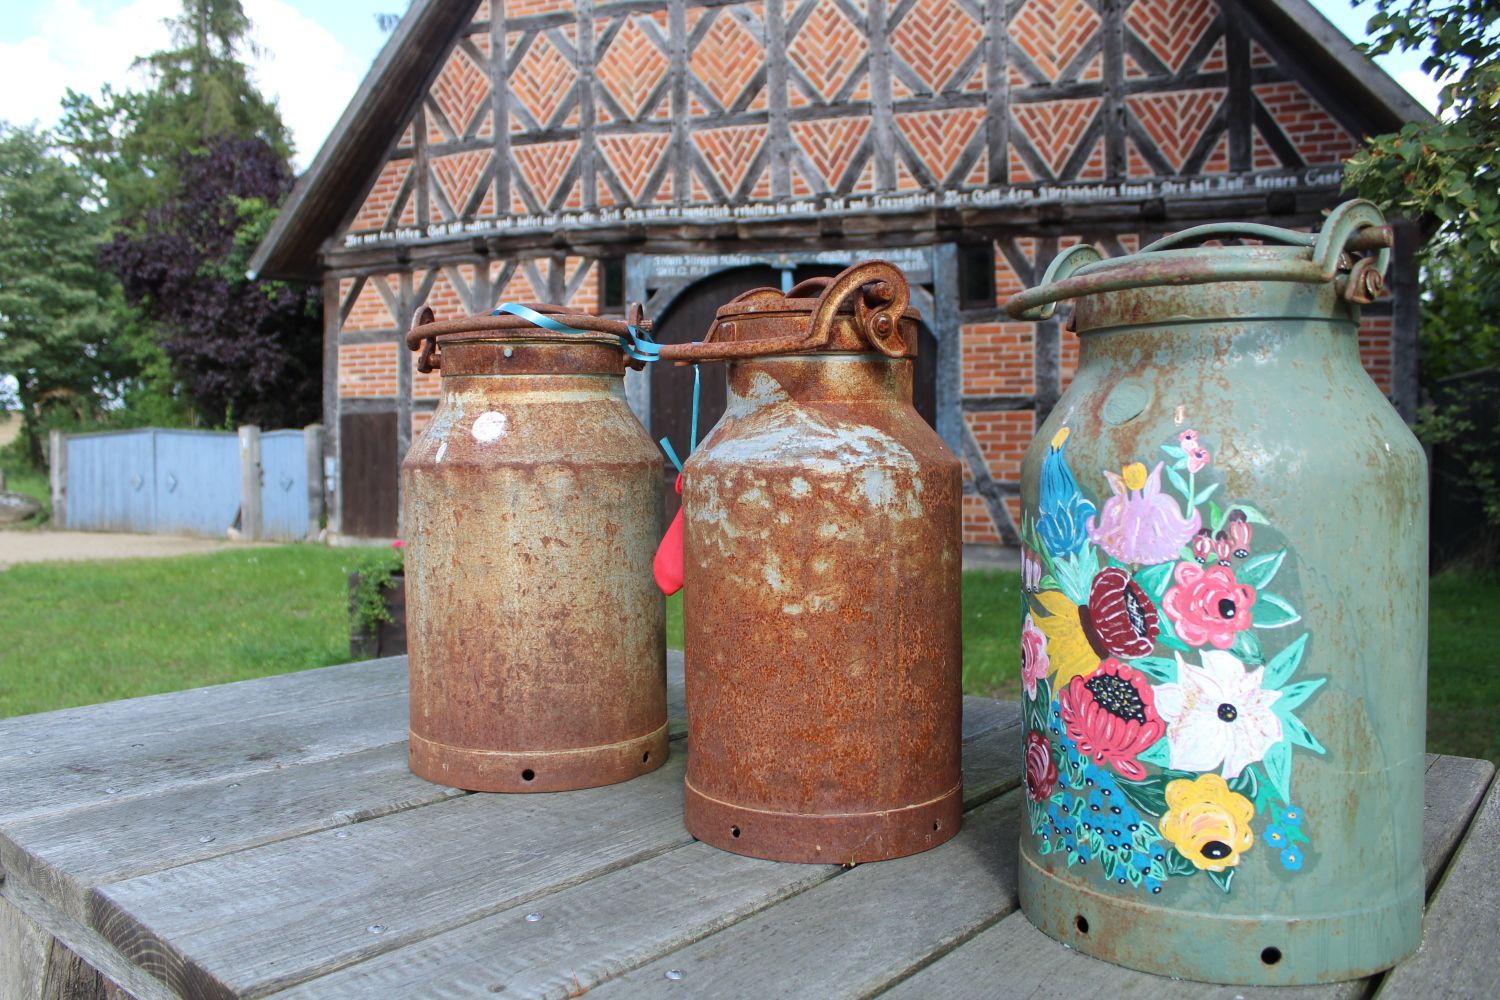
{"x":883,"y":326}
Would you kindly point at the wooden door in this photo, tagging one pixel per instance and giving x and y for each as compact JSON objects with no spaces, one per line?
{"x":368,"y":475}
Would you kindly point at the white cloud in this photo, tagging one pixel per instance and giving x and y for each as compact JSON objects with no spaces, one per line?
{"x":83,"y":45}
{"x":1421,"y":86}
{"x":306,"y":68}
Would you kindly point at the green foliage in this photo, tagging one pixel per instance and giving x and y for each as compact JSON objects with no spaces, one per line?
{"x":189,"y":172}
{"x":374,"y":573}
{"x":1450,"y":168}
{"x":131,"y":143}
{"x":58,"y":309}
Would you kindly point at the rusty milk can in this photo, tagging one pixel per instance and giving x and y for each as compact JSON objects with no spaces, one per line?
{"x":1225,"y":640}
{"x":531,"y":511}
{"x":821,"y":607}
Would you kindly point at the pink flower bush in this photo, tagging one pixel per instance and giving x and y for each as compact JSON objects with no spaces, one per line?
{"x":1034,"y":661}
{"x":1208,"y":605}
{"x":1139,"y":524}
{"x":1111,"y":715}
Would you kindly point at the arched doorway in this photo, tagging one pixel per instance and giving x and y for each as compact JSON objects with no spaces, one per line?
{"x":689,"y":317}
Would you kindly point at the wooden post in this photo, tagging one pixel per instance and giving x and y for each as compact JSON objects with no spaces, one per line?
{"x":312,"y":446}
{"x":57,"y":475}
{"x":250,"y":476}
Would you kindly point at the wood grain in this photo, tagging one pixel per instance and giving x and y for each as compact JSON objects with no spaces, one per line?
{"x":849,"y":936}
{"x":64,"y":856}
{"x":271,"y":916}
{"x":1459,"y":956}
{"x":152,"y":760}
{"x":604,"y":927}
{"x":33,"y":740}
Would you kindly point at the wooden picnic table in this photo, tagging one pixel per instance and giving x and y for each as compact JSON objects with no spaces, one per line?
{"x":265,"y":838}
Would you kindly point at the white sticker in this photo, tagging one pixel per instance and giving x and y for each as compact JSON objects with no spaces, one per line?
{"x":489,"y":427}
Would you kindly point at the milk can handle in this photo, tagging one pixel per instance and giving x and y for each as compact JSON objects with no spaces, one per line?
{"x":880,"y":296}
{"x":1351,"y":227}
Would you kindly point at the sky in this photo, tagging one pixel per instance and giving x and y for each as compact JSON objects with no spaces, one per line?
{"x":314,"y":54}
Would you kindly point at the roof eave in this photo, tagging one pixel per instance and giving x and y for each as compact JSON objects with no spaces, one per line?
{"x":367,"y":129}
{"x":1388,"y":103}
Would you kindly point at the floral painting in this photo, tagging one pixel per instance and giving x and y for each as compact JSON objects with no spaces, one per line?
{"x":1161,"y":674}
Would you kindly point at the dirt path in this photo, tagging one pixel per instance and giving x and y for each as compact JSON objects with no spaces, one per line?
{"x":50,"y":546}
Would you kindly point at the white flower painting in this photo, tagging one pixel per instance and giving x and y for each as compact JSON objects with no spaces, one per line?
{"x":1218,"y":715}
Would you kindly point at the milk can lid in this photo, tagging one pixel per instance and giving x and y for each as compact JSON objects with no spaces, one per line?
{"x":1286,"y":255}
{"x":532,"y":322}
{"x":865,"y":307}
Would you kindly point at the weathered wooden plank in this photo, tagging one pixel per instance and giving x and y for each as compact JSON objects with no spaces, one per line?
{"x":591,"y":932}
{"x":65,"y":856}
{"x":272,"y":916}
{"x":1013,"y":958}
{"x":584,"y":934}
{"x":148,"y":754}
{"x":54,"y":959}
{"x":852,"y":934}
{"x":1452,"y":791}
{"x":35,"y":738}
{"x":1459,"y":957}
{"x":983,"y":714}
{"x":1028,"y":963}
{"x":147,"y":763}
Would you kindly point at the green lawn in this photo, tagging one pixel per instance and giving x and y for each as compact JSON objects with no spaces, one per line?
{"x":79,"y":633}
{"x":82,"y":633}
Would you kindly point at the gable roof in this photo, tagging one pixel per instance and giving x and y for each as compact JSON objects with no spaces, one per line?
{"x":358,"y":145}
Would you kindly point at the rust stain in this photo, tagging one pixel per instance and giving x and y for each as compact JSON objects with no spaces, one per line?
{"x":537,"y":657}
{"x":822,"y":593}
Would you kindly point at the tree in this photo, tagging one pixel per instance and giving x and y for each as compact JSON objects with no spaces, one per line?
{"x":57,"y":308}
{"x":1447,"y":169}
{"x":200,"y":90}
{"x":245,"y":351}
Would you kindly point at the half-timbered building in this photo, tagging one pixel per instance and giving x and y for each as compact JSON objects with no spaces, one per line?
{"x":677,"y":152}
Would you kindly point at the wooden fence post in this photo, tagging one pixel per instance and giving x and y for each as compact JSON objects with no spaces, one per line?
{"x":57,"y":476}
{"x":312,"y":446}
{"x":250,"y":476}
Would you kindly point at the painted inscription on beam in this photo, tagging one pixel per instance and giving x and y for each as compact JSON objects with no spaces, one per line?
{"x":853,"y":205}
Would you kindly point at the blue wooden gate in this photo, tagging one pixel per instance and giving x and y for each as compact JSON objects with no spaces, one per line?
{"x":182,"y":482}
{"x":283,"y":485}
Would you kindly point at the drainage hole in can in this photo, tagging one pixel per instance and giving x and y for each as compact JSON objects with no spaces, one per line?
{"x":1082,"y":923}
{"x":734,"y":831}
{"x":646,"y":757}
{"x":528,"y":774}
{"x":1270,"y":955}
{"x":937,"y":824}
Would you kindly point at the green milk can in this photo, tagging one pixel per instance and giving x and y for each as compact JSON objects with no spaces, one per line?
{"x":1224,"y":648}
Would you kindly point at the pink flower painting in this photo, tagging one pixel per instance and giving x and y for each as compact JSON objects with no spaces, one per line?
{"x":1139,"y":524}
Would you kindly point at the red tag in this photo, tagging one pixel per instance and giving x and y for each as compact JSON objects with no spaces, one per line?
{"x":668,"y":563}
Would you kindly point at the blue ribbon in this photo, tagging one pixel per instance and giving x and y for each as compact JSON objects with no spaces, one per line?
{"x":666,"y":444}
{"x":637,"y":344}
